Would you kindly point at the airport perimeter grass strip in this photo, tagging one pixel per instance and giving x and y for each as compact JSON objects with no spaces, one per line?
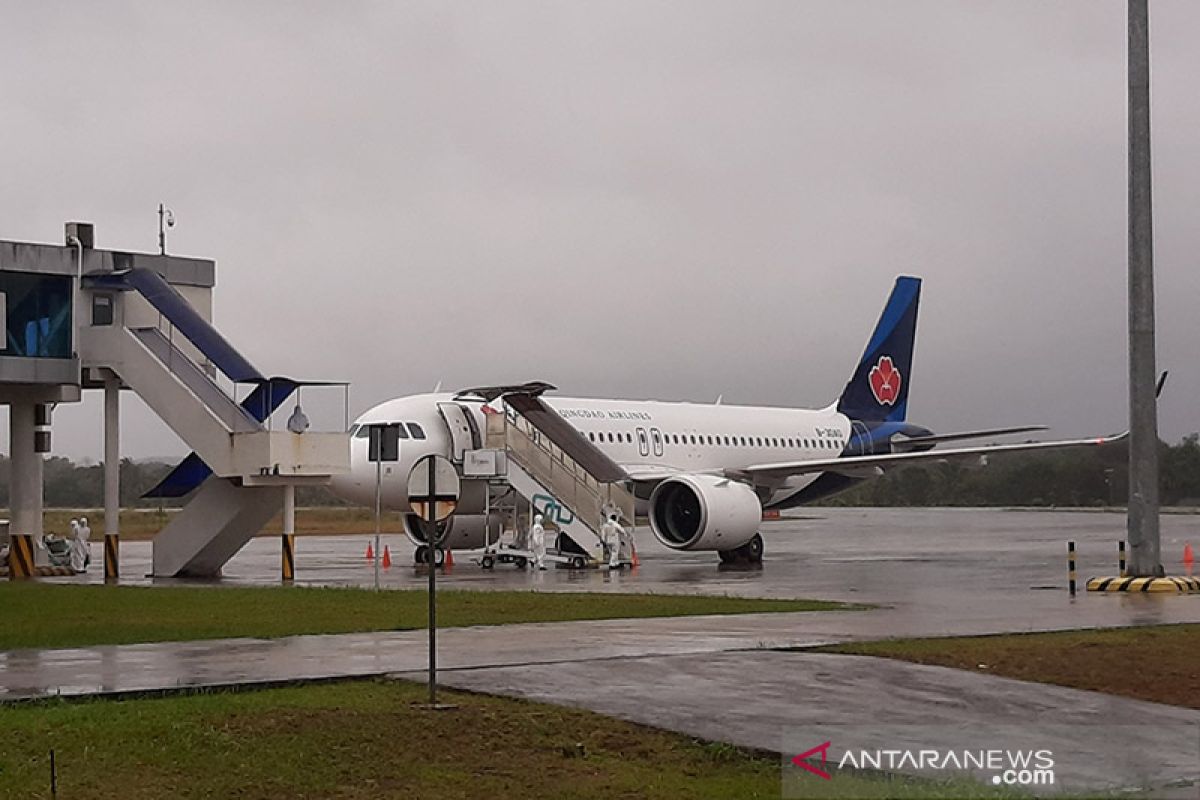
{"x":371,"y":739}
{"x":1098,"y":660}
{"x":143,"y":524}
{"x":64,"y":615}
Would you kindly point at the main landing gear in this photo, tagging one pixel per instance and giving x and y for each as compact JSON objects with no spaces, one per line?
{"x":421,"y":555}
{"x":749,"y":553}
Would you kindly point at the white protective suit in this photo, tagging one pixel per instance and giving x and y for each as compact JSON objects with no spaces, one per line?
{"x":79,"y":545}
{"x":614,"y":536}
{"x":537,"y":542}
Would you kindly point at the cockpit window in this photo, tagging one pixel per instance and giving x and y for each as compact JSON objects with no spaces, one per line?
{"x":361,"y":431}
{"x":416,"y":430}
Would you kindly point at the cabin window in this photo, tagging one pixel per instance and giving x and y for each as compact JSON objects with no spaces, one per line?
{"x":416,"y":430}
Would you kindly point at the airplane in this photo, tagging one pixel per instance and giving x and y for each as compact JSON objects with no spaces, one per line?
{"x":702,"y":474}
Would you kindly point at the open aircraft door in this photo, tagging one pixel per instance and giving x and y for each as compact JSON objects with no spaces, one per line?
{"x":464,"y":433}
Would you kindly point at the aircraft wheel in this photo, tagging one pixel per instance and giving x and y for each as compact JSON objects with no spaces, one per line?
{"x":753,"y":549}
{"x":421,"y":554}
{"x":487,"y":562}
{"x":578,"y":562}
{"x":439,"y":556}
{"x":520,"y":561}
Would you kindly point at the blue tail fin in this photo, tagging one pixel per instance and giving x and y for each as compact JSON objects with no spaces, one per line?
{"x":878,"y":390}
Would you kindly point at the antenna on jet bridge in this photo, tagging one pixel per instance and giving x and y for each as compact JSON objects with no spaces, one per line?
{"x":437,"y":388}
{"x":720,"y":397}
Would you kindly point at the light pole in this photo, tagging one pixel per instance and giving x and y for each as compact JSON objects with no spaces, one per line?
{"x":1142,"y":521}
{"x":166,"y":219}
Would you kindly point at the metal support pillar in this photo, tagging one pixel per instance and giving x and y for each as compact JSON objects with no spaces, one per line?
{"x":289,"y":533}
{"x":1142,"y":522}
{"x":25,"y":489}
{"x":112,"y":477}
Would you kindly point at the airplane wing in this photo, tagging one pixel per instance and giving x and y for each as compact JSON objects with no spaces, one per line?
{"x":938,"y":438}
{"x":861,"y":466}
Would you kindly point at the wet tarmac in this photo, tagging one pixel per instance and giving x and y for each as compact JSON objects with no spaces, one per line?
{"x":1006,"y":568}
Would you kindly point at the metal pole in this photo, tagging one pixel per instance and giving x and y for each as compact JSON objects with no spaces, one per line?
{"x":1071,"y":567}
{"x":1142,"y":522}
{"x":378,"y":501}
{"x":432,"y":537}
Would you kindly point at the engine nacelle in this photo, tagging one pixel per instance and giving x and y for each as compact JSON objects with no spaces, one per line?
{"x":704,"y":512}
{"x":461,"y":531}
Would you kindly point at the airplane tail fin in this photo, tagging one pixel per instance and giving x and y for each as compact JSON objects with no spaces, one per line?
{"x":878,"y":390}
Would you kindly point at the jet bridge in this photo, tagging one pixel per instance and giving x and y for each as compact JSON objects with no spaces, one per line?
{"x":562,"y":475}
{"x":142,"y":322}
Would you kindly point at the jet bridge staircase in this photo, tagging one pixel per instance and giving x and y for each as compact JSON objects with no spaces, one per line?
{"x":564,"y":477}
{"x":239,"y":465}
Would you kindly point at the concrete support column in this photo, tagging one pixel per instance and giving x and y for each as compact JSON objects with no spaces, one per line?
{"x":112,"y":477}
{"x":25,"y":489}
{"x":289,"y":532}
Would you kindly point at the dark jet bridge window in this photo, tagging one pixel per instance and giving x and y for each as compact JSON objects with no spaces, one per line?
{"x":416,"y":430}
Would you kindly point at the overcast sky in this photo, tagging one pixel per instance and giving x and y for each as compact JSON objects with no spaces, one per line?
{"x":627,"y":199}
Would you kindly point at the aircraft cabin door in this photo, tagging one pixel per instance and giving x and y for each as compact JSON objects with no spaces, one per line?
{"x":463,"y":434}
{"x":643,"y":442}
{"x":656,"y":438}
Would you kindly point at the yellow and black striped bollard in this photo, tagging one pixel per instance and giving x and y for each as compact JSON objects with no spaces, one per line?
{"x":20,"y":556}
{"x":112,"y":552}
{"x":289,"y":556}
{"x":1071,"y":567}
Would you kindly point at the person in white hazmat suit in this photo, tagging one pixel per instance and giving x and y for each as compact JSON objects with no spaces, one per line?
{"x":614,"y":536}
{"x":79,"y":545}
{"x":537,"y":542}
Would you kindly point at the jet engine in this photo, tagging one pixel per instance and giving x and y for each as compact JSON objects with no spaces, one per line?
{"x":704,"y":512}
{"x":460,"y":531}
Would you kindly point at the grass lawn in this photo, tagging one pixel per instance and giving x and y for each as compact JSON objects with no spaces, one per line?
{"x":49,"y":615}
{"x":1100,"y":660}
{"x":367,"y":739}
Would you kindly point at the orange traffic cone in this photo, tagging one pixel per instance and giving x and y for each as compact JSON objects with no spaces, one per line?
{"x":387,"y":557}
{"x":370,"y":552}
{"x":634,"y":561}
{"x":449,"y":558}
{"x":1189,"y":557}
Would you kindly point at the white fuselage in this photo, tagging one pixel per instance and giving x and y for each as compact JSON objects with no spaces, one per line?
{"x":642,"y":436}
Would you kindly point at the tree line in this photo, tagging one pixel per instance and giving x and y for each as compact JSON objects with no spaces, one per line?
{"x":71,"y":485}
{"x":1094,"y":476}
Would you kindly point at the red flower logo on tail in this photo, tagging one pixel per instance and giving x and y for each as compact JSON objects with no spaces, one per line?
{"x":885,"y":381}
